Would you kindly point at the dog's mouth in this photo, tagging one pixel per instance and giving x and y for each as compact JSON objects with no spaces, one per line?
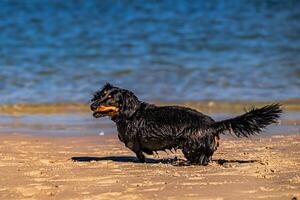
{"x":103,"y":111}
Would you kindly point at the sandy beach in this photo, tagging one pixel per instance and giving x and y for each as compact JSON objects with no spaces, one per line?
{"x":100,"y":167}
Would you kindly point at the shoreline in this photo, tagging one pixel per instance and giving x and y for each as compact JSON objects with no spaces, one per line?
{"x":76,"y":119}
{"x":100,"y":167}
{"x":204,"y":106}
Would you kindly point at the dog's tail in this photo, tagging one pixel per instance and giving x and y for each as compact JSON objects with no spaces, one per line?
{"x":250,"y":123}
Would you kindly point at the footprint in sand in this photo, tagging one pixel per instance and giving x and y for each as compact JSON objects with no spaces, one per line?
{"x":46,"y":161}
{"x":116,"y":195}
{"x":26,"y":192}
{"x":40,"y":179}
{"x":265,"y":189}
{"x":295,"y":179}
{"x":153,"y":189}
{"x":107,"y":182}
{"x":3,"y":189}
{"x":33,"y":173}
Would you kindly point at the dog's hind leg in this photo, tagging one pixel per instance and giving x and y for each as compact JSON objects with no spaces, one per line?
{"x":199,"y":149}
{"x":196,"y":155}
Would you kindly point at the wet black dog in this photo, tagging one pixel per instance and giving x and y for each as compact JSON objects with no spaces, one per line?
{"x":146,"y":128}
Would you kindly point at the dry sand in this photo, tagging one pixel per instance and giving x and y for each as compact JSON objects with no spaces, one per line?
{"x":34,"y":167}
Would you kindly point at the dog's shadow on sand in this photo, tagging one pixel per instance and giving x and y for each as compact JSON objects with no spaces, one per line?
{"x":223,"y":161}
{"x":174,"y":161}
{"x":128,"y":159}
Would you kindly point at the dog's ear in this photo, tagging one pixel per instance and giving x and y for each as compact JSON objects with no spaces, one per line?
{"x":107,"y":86}
{"x":130,"y":103}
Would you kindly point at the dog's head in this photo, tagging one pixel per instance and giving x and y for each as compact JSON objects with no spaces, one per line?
{"x":114,"y":102}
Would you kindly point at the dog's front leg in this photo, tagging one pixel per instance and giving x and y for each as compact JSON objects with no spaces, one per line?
{"x":140,"y":156}
{"x":135,"y":147}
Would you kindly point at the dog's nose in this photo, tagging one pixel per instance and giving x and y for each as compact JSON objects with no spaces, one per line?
{"x":93,"y":107}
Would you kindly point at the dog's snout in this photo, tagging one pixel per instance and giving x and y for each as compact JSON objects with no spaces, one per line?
{"x":93,"y":106}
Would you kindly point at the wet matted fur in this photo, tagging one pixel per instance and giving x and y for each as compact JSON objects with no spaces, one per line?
{"x":146,"y":128}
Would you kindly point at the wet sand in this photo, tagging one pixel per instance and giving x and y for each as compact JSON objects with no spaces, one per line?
{"x":100,"y":167}
{"x":203,"y":106}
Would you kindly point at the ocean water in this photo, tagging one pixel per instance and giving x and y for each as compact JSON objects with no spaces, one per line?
{"x":61,"y":51}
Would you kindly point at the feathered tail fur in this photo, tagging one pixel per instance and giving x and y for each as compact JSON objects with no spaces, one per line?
{"x":250,"y":123}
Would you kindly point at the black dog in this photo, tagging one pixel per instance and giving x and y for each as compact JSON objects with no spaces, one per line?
{"x":146,"y":128}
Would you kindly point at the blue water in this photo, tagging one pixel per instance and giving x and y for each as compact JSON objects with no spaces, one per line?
{"x":61,"y":51}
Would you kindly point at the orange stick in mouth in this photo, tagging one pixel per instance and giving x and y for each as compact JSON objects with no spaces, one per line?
{"x":107,"y":108}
